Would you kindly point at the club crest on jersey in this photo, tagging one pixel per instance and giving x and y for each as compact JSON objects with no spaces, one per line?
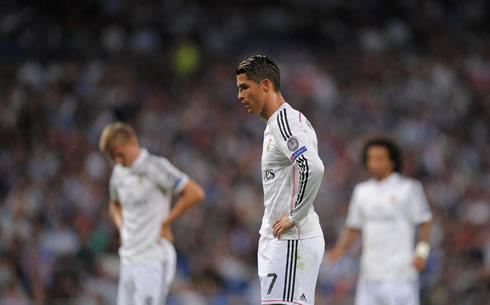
{"x":298,"y":153}
{"x":293,"y":144}
{"x":269,"y":145}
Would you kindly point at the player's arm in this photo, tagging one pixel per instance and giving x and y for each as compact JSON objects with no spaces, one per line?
{"x":352,"y":228}
{"x":116,"y":214}
{"x":171,"y":179}
{"x":292,"y":138}
{"x":190,"y":196}
{"x":115,"y":209}
{"x":345,"y":241}
{"x":422,"y":248}
{"x":421,"y":215}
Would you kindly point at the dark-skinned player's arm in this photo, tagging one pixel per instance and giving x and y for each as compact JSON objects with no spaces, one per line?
{"x":422,"y":216}
{"x":422,"y":249}
{"x":351,"y":231}
{"x":345,"y":241}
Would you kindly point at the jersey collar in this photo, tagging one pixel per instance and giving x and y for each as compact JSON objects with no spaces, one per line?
{"x":388,"y":180}
{"x":284,"y":105}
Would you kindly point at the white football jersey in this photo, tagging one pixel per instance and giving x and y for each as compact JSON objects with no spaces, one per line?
{"x":291,"y":174}
{"x":387,"y":213}
{"x":144,"y":191}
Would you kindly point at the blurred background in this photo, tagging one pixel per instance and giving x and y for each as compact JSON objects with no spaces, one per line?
{"x":417,"y":69}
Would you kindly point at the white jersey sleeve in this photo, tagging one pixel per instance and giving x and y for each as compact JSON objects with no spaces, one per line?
{"x":298,"y":142}
{"x":419,"y":209}
{"x":112,"y":185}
{"x":165,"y":175}
{"x":354,"y":215}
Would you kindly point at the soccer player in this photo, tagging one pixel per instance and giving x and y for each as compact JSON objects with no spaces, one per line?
{"x":141,"y":189}
{"x":291,"y":246}
{"x":386,"y":210}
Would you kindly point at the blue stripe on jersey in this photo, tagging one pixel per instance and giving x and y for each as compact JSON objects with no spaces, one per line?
{"x":298,"y":153}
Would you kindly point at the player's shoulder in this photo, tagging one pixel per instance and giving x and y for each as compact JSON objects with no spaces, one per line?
{"x":156,"y":160}
{"x":287,"y":122}
{"x":118,"y":171}
{"x":408,"y":181}
{"x":364,"y":185}
{"x":156,"y":165}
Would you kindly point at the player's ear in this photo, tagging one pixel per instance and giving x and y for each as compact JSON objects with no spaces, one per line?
{"x":266,"y":85}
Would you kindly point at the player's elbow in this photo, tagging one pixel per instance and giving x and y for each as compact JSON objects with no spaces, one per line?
{"x":195,"y":192}
{"x":200,"y":194}
{"x":317,"y":170}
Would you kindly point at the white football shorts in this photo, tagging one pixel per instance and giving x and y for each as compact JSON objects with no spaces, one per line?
{"x":387,"y":292}
{"x":288,"y":269}
{"x":147,"y":284}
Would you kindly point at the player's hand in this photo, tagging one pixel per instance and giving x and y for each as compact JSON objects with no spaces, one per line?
{"x":419,"y":263}
{"x":166,"y":232}
{"x":334,"y":255}
{"x":281,"y":225}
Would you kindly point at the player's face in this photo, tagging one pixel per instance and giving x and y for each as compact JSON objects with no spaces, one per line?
{"x":378,"y":162}
{"x":125,"y":153}
{"x":250,"y":94}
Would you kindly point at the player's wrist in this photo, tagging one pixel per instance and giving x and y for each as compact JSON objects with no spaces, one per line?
{"x":422,"y":249}
{"x":292,"y":221}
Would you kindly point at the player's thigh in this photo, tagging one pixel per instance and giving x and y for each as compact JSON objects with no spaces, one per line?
{"x":308,"y":266}
{"x":401,"y":293}
{"x":150,"y":284}
{"x":169,"y":265}
{"x":125,"y":288}
{"x":288,"y":270}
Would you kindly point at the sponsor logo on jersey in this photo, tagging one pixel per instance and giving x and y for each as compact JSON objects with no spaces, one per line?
{"x":298,"y":153}
{"x":293,"y":144}
{"x":268,"y":174}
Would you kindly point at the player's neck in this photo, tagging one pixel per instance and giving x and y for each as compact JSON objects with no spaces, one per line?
{"x":383,"y":177}
{"x":135,"y":155}
{"x":272,"y":105}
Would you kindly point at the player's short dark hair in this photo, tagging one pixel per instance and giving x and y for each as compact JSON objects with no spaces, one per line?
{"x":394,"y":151}
{"x":260,"y":67}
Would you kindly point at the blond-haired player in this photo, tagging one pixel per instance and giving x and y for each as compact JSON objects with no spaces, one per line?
{"x":141,"y":189}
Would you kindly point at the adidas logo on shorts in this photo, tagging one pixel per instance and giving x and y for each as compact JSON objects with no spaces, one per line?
{"x":303,"y":298}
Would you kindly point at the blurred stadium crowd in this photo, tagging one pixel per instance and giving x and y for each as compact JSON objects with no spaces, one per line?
{"x":417,"y":69}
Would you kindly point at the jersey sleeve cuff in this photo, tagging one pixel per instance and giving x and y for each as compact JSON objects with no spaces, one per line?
{"x":180,"y":183}
{"x":292,"y":221}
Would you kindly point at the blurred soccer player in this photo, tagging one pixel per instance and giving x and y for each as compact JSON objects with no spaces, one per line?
{"x":141,"y":188}
{"x":387,"y":209}
{"x":291,"y":246}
